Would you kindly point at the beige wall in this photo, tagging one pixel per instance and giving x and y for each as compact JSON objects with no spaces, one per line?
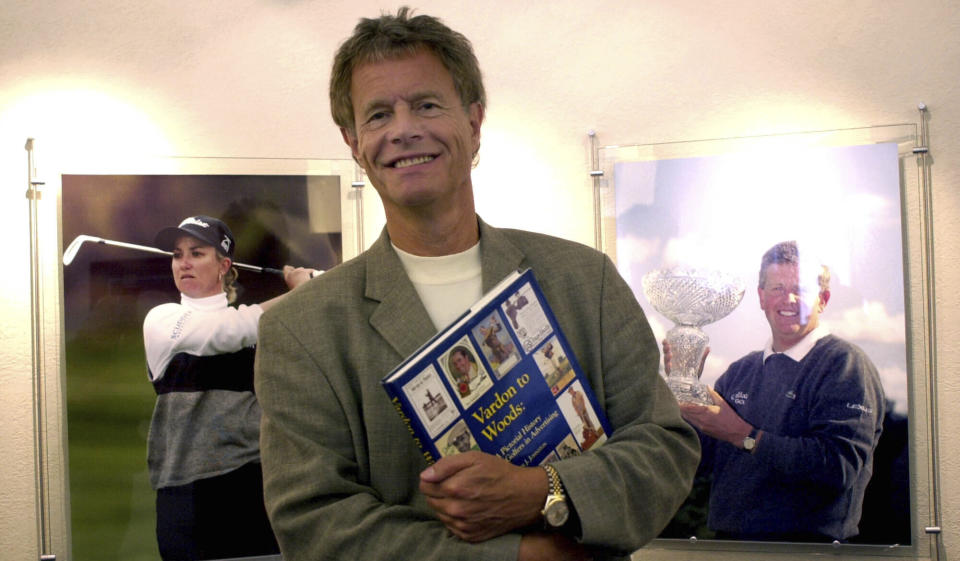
{"x":100,"y":82}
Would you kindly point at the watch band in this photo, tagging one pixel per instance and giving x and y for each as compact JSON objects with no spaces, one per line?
{"x":555,"y":511}
{"x":556,"y":486}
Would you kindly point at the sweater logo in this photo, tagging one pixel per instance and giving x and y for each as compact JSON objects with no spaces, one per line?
{"x":791,"y":394}
{"x":860,"y":407}
{"x":178,"y":327}
{"x":740,"y":398}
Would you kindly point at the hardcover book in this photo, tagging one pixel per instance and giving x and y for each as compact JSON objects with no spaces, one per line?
{"x":501,"y":379}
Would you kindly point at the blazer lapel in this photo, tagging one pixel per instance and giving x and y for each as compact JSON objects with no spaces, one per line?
{"x":400,"y":317}
{"x":498,"y":256}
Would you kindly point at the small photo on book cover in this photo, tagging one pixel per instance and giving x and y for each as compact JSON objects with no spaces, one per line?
{"x":568,"y":448}
{"x":457,"y":440}
{"x":430,"y":399}
{"x":550,"y":458}
{"x":554,"y":365}
{"x":497,"y":346}
{"x":527,"y":317}
{"x":581,"y":417}
{"x":465,"y":372}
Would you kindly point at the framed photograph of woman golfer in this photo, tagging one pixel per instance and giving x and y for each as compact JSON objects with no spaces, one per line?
{"x":825,"y":457}
{"x":116,"y":269}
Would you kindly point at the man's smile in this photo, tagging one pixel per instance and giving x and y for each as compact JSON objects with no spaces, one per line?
{"x":412,"y":161}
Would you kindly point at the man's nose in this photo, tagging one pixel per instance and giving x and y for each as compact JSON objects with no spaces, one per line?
{"x":404,"y":126}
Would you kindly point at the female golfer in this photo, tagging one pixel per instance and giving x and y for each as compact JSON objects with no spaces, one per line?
{"x":203,"y":447}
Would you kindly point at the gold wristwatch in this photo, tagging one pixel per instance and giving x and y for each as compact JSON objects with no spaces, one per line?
{"x":555,"y":510}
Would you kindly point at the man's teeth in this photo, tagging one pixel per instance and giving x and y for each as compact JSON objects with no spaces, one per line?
{"x":788,"y":314}
{"x":412,"y":161}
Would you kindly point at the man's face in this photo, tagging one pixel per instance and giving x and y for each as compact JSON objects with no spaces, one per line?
{"x":792,"y":308}
{"x":413,"y":137}
{"x":462,"y":441}
{"x":461,"y":363}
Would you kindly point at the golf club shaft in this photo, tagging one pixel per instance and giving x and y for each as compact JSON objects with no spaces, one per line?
{"x":74,"y":247}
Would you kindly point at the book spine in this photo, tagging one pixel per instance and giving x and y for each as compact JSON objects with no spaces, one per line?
{"x":424,"y":449}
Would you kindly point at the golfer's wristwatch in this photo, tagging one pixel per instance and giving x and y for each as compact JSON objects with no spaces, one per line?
{"x":555,"y":511}
{"x":750,"y":442}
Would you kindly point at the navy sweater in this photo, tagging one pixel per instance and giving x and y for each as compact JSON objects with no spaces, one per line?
{"x":821,"y":419}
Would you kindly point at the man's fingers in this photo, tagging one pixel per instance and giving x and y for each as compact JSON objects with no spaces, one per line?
{"x":687,"y":407}
{"x":448,"y":466}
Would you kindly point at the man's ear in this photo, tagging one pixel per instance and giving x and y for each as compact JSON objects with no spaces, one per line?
{"x":350,"y":139}
{"x":824,"y":298}
{"x":475,"y":117}
{"x":476,"y":114}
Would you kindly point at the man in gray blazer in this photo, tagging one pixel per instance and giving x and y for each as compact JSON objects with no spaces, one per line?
{"x":343,"y":478}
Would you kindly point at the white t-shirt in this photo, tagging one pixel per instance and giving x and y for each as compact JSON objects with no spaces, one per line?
{"x":447,"y":285}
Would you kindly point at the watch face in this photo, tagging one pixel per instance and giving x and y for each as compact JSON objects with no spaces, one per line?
{"x":557,"y":513}
{"x":748,"y":443}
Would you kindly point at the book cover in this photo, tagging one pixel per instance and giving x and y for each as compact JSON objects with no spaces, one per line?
{"x":501,"y":379}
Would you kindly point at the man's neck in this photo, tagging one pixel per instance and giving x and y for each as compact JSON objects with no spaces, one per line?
{"x":799,"y":348}
{"x":431,"y":234}
{"x":785,"y":343}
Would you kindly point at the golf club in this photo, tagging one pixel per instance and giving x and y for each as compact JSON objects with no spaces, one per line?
{"x":71,"y":252}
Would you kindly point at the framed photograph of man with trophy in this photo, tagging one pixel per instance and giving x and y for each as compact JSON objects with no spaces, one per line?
{"x":772,"y":271}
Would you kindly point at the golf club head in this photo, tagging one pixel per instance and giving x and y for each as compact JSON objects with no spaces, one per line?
{"x":71,"y":252}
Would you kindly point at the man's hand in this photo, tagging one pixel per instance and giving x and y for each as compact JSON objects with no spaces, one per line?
{"x":719,"y":420}
{"x":542,"y":546}
{"x":479,"y":496}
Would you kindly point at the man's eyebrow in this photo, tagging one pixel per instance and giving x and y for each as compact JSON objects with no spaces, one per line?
{"x":420,"y":96}
{"x":412,"y":98}
{"x":375,"y":104}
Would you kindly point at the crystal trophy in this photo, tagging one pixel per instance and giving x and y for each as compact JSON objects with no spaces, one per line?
{"x":691,"y":299}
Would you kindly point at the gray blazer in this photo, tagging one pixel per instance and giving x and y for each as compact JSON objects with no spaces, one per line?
{"x":341,"y":471}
